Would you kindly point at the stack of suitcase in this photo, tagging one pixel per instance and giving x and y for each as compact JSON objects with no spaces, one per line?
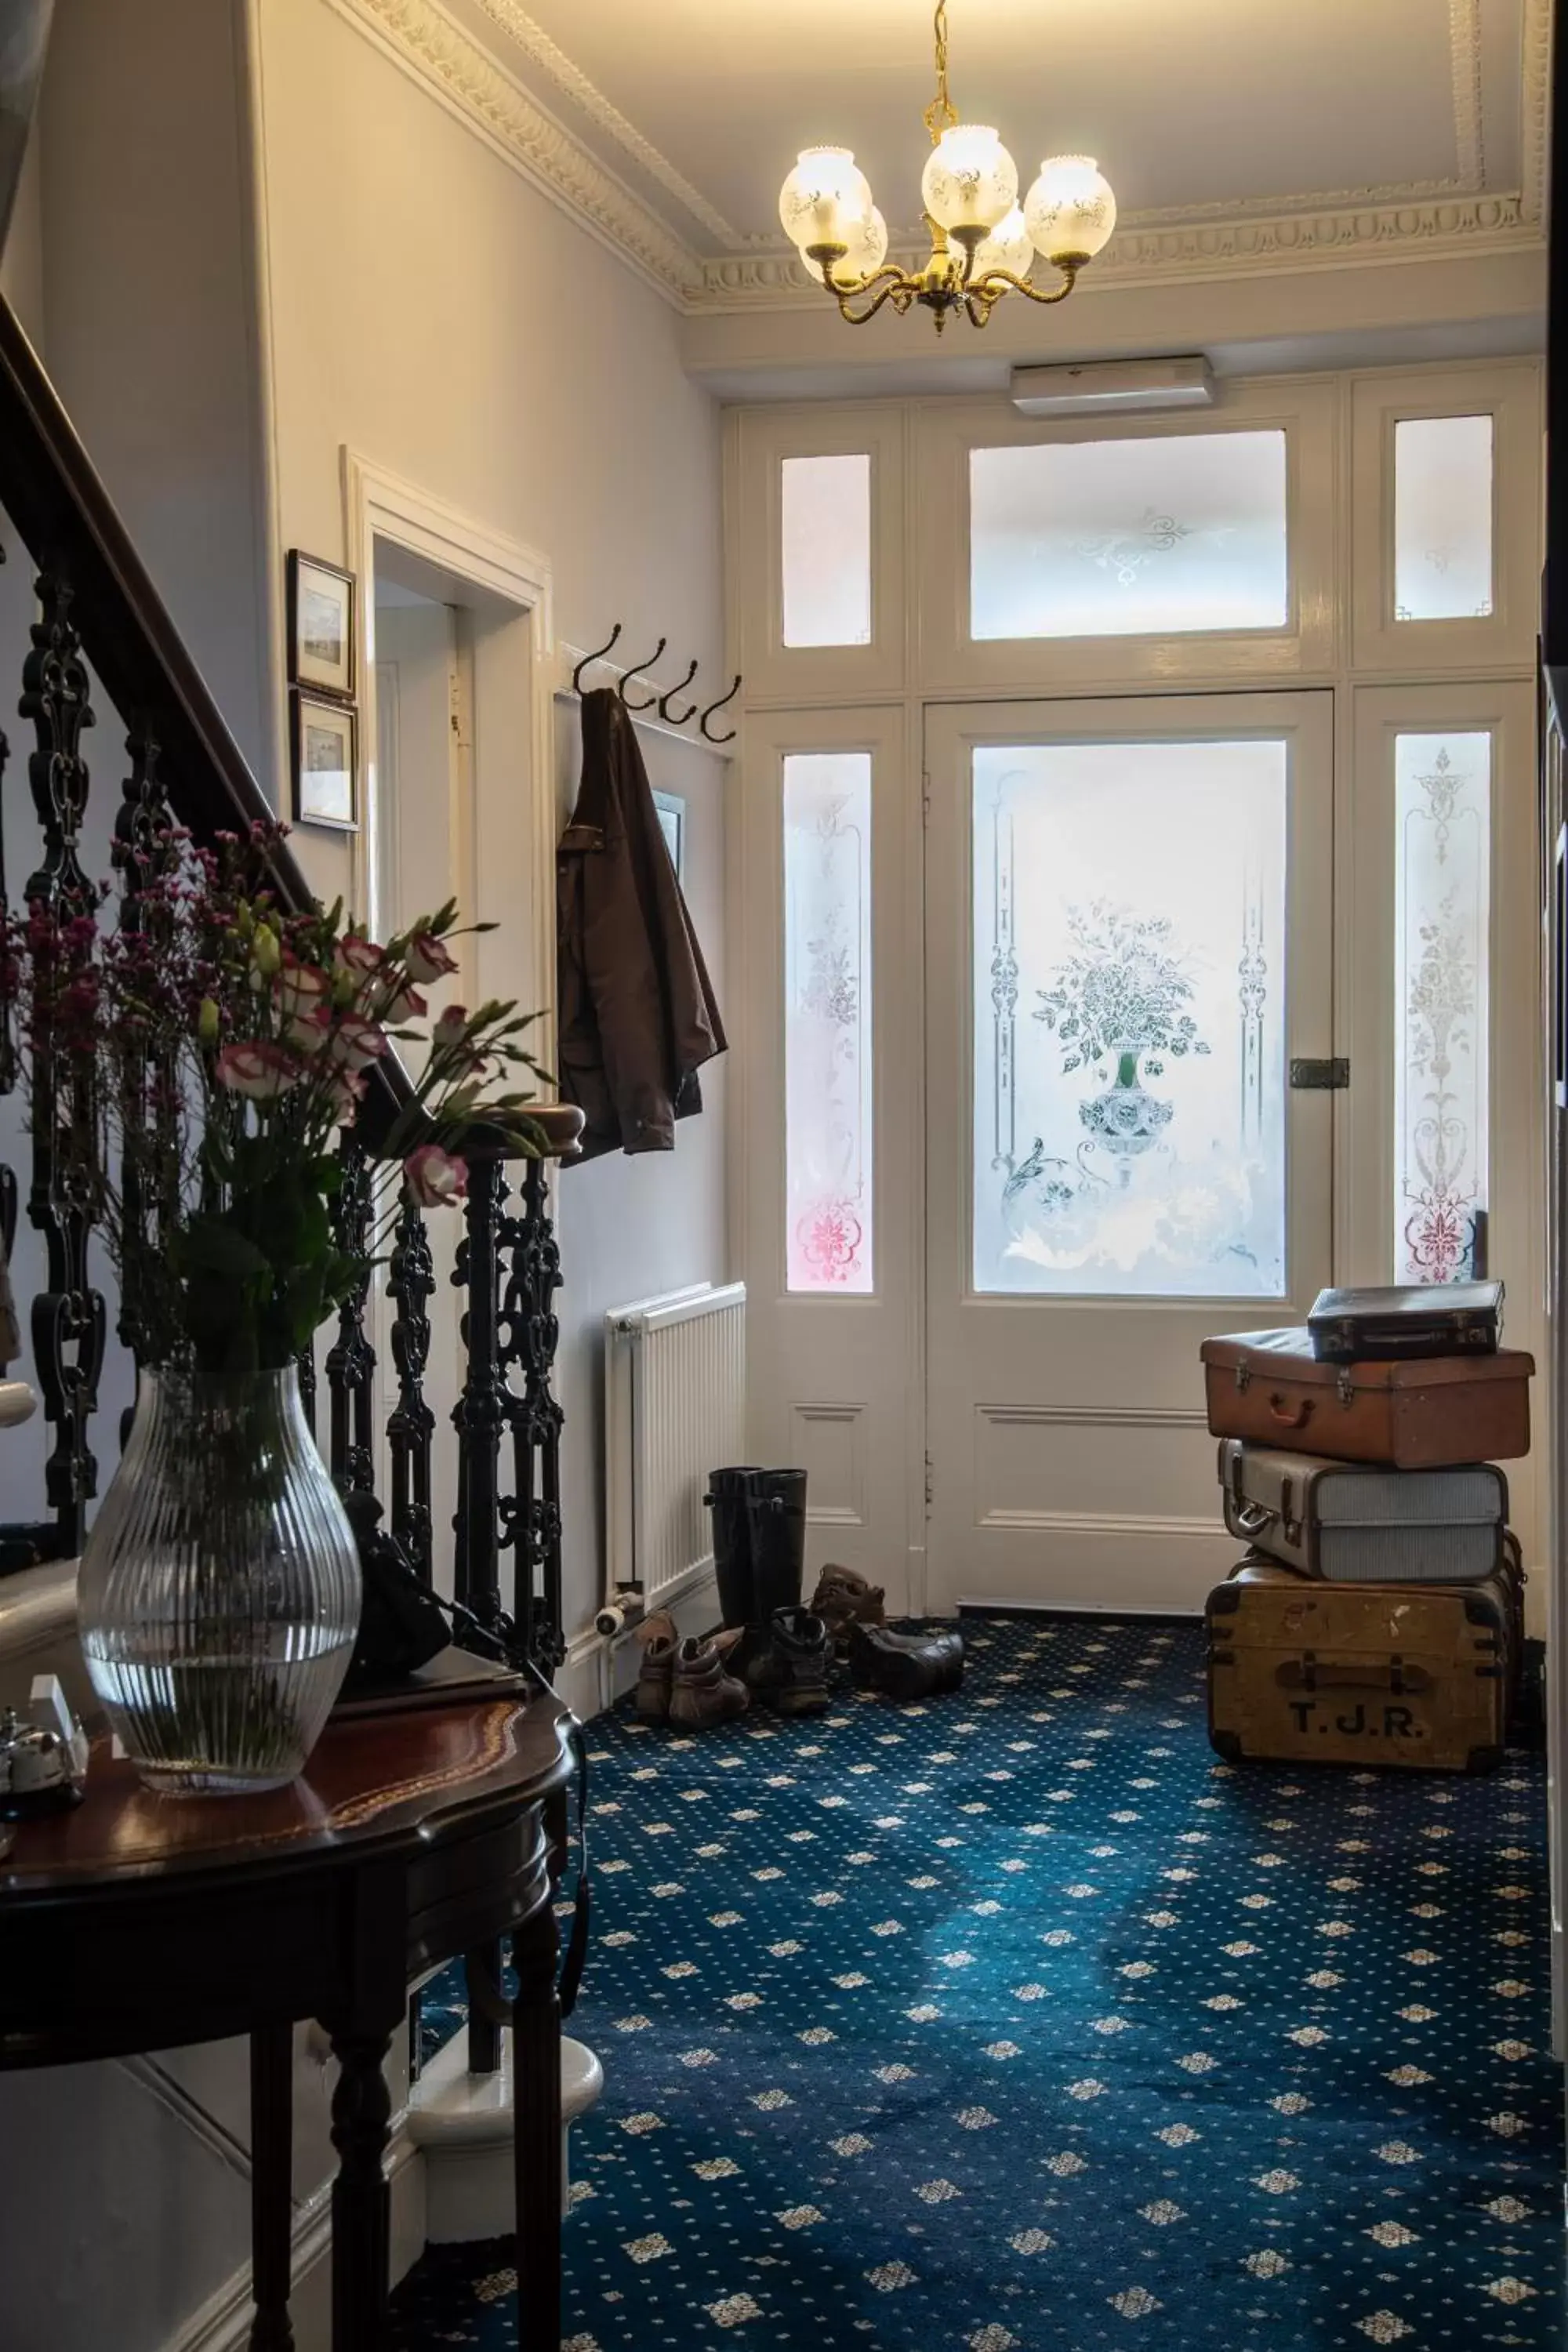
{"x":1377,"y":1617}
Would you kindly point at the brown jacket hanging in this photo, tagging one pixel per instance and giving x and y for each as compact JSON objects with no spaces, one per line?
{"x":636,"y":1012}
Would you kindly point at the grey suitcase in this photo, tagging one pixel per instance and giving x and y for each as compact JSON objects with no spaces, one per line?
{"x":1354,"y":1523}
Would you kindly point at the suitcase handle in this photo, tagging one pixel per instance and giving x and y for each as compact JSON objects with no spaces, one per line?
{"x":1306,"y":1673}
{"x":1297,"y":1417}
{"x":1251,"y":1517}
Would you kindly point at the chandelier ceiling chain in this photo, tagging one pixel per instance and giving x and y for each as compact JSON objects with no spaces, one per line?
{"x":983,"y":241}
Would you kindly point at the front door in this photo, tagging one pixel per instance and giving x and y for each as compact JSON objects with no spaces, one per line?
{"x":1129,"y":944}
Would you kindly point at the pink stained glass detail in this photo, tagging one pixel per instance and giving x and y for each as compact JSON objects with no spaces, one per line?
{"x":827,"y":1020}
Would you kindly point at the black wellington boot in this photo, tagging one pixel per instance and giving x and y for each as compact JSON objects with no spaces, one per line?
{"x":776,"y":1513}
{"x":727,"y":1498}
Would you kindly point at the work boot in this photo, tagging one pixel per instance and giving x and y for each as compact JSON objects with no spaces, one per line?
{"x":727,"y":1495}
{"x":791,"y":1674}
{"x":905,"y":1665}
{"x":700,"y":1691}
{"x":844,"y":1597}
{"x":659,"y":1640}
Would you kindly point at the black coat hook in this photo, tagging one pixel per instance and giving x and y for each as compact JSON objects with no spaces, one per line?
{"x":664,"y":700}
{"x":589,"y":659}
{"x":636,"y":671}
{"x":712,"y":707}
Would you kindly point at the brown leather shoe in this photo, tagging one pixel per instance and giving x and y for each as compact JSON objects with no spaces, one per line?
{"x":659,"y":1640}
{"x":844,"y":1597}
{"x":905,"y":1665}
{"x":700,"y":1691}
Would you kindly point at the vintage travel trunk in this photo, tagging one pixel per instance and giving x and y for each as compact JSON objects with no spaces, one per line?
{"x":1450,"y":1318}
{"x":1423,"y":1414}
{"x":1358,"y":1523}
{"x":1416,"y":1677}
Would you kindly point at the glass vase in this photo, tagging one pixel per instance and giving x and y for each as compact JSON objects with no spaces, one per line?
{"x":219,"y":1592}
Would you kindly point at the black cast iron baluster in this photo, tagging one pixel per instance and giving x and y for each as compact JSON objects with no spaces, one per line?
{"x":305,"y":1365}
{"x":67,"y":1314}
{"x":515,"y":1511}
{"x":479,"y":1414}
{"x":141,"y":854}
{"x":351,"y":1359}
{"x":532,"y":1336}
{"x":411,"y":1425}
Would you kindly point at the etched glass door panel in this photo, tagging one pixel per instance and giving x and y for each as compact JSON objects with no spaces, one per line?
{"x":1443,"y":517}
{"x":1129,"y":538}
{"x":1442,"y":948}
{"x":1129,"y":1038}
{"x":827,"y":1019}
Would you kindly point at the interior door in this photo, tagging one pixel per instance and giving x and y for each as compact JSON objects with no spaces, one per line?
{"x":1129,"y":945}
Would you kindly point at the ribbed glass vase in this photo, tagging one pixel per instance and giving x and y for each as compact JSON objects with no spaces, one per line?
{"x":219,"y":1593}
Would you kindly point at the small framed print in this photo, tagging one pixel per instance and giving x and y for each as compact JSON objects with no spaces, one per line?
{"x":323,"y":627}
{"x":326,"y":762}
{"x":672,"y":825}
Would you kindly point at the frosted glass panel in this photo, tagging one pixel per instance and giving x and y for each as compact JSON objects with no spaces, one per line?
{"x":1443,"y":517}
{"x":1111,"y":539}
{"x":827,"y":551}
{"x":827,"y":1019}
{"x":1129,"y":1018}
{"x":1443,"y":794}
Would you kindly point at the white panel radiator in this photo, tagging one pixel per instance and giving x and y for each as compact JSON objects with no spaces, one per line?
{"x":674,"y":1409}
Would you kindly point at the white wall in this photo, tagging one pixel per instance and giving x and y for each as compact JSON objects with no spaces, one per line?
{"x":434,"y":313}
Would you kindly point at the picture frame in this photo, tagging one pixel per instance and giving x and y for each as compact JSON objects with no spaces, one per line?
{"x":324,"y":748}
{"x":323,"y":627}
{"x":672,"y":825}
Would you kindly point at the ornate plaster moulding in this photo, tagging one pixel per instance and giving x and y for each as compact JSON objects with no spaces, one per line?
{"x":1434,"y":229}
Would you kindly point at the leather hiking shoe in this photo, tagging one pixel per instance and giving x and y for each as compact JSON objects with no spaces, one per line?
{"x":700,"y":1691}
{"x":791,"y":1673}
{"x":905,"y":1665}
{"x":844,"y":1597}
{"x":657,"y":1637}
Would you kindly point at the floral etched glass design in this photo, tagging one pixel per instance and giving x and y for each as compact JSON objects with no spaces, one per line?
{"x":1443,"y":517}
{"x":1129,"y":1019}
{"x":827,"y":1019}
{"x":827,"y":539}
{"x":1135,"y":538}
{"x":1442,"y":891}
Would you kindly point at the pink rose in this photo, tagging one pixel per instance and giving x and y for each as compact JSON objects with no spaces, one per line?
{"x":301,"y":987}
{"x":355,"y":1042}
{"x":434,"y":1177}
{"x":347,"y":1092}
{"x":308,"y":1032}
{"x":429,"y":958}
{"x":360,"y":959}
{"x":398,"y":1002}
{"x":452,"y":1027}
{"x":261,"y":1071}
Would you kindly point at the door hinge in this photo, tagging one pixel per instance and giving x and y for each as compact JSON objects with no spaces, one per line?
{"x":1324,"y":1076}
{"x":929,"y":1485}
{"x":925,"y":796}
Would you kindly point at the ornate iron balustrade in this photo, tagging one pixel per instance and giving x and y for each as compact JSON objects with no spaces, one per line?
{"x":102,"y":627}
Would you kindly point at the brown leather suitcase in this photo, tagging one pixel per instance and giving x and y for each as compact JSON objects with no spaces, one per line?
{"x":1424,"y":1414}
{"x":1407,"y":1676}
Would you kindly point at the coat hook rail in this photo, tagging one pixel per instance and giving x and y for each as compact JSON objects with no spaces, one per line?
{"x":664,"y":703}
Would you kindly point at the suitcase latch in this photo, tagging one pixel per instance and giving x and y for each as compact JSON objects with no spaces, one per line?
{"x":1345,"y":1387}
{"x":1243,"y":1379}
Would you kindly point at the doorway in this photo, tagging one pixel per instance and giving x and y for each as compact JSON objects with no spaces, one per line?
{"x":1129,"y":946}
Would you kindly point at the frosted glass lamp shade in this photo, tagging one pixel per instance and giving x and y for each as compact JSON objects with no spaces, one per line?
{"x":824,"y":197}
{"x":1071,"y":210}
{"x":1007,"y":246}
{"x":868,"y":242}
{"x":970,"y":180}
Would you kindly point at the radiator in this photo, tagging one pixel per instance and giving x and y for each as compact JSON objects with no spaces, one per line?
{"x":674,"y":1409}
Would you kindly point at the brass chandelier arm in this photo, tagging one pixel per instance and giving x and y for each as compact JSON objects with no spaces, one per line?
{"x":983,"y":295}
{"x":898,"y":289}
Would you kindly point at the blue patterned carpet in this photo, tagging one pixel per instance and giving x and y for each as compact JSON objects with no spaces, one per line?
{"x":1019,"y":2020}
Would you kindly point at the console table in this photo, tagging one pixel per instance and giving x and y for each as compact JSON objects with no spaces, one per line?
{"x":136,"y":1923}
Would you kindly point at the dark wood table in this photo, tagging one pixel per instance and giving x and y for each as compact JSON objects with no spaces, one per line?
{"x":137,"y":1923}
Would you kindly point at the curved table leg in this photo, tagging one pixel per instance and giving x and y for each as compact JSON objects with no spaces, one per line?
{"x":361,"y":2202}
{"x":271,"y":2197}
{"x":536,"y":2120}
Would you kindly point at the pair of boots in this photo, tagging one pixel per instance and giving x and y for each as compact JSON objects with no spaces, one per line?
{"x":686,"y":1682}
{"x":759,"y":1559}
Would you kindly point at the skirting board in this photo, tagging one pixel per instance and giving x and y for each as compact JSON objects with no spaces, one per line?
{"x":600,"y":1668}
{"x":223,"y":2322}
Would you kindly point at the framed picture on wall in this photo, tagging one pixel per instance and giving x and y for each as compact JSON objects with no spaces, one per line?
{"x":325,"y":761}
{"x":323,"y":625}
{"x":672,"y":825}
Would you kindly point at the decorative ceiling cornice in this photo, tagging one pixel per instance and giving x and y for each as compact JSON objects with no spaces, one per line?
{"x":1349,"y":227}
{"x":428,"y":44}
{"x":1437,"y":229}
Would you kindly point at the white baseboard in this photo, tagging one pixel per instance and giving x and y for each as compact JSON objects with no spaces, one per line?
{"x":223,"y":2322}
{"x":600,"y":1668}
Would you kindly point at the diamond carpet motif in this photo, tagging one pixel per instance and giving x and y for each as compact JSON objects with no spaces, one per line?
{"x":1018,"y":2022}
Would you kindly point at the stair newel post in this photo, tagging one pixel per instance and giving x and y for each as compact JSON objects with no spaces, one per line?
{"x":351,"y":1359}
{"x":411,"y":1426}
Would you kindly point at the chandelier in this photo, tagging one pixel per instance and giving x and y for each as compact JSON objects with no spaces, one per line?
{"x":983,"y":241}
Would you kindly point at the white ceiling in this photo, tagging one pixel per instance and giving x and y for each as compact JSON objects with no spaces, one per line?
{"x":1200,"y":111}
